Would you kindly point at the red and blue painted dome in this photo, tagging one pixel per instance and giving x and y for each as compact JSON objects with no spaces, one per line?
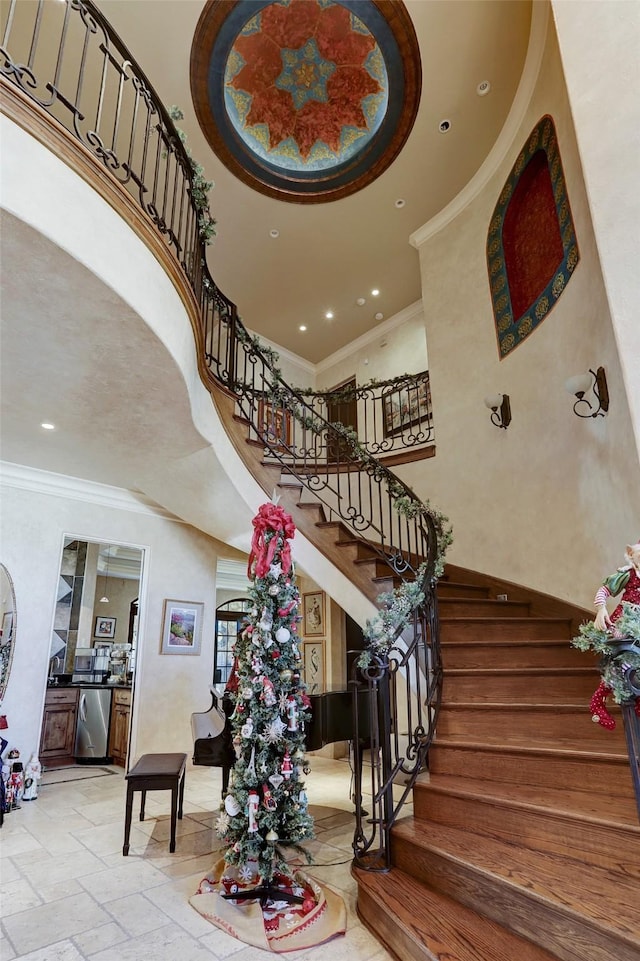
{"x":306,"y":100}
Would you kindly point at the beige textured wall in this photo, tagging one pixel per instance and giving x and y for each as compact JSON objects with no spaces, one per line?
{"x":551,"y":501}
{"x":601,"y":62}
{"x":180,"y":562}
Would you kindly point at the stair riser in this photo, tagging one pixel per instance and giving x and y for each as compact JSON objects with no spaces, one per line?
{"x":540,"y":688}
{"x":452,"y":607}
{"x":488,"y":629}
{"x":445,"y":589}
{"x":598,"y":776}
{"x":390,"y":930}
{"x":616,"y":849}
{"x":458,"y":656}
{"x":539,"y":725}
{"x":547,"y":923}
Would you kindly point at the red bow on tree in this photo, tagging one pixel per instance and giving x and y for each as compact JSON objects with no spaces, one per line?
{"x":273,"y":520}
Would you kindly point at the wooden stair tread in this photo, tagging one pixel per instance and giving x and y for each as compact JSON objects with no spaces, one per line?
{"x":580,"y":889}
{"x":518,"y":671}
{"x":479,"y":619}
{"x":615,"y":812}
{"x":513,"y":642}
{"x":430,"y":925}
{"x":472,"y":588}
{"x":489,"y":602}
{"x":584,"y":745}
{"x":566,"y":749}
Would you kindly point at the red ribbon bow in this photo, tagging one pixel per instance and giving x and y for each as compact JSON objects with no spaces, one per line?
{"x":273,"y":520}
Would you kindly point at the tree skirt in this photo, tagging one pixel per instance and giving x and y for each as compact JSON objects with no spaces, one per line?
{"x":279,"y":926}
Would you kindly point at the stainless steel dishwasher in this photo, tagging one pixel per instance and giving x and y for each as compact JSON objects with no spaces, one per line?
{"x":92,"y":730}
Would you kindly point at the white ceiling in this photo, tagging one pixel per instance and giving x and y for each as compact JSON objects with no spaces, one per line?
{"x":329,"y":255}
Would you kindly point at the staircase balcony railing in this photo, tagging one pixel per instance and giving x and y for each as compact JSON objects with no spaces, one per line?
{"x":390,"y":416}
{"x":66,"y":59}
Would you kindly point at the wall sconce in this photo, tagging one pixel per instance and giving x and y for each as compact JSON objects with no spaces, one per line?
{"x":592,"y":393}
{"x":500,"y":409}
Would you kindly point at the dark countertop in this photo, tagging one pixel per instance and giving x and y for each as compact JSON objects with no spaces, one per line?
{"x":83,"y":684}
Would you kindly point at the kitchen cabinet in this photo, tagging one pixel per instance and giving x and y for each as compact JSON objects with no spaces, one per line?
{"x":119,"y":735}
{"x":59,"y":727}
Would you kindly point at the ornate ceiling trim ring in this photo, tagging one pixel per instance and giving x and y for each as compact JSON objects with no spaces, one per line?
{"x":387,"y":22}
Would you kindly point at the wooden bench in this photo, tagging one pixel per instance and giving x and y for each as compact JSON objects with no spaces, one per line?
{"x":156,"y":772}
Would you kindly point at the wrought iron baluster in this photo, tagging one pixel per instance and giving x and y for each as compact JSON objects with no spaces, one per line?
{"x":8,"y":25}
{"x":36,"y":34}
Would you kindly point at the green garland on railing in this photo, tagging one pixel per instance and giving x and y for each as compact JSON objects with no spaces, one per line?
{"x":591,"y":639}
{"x":403,"y":503}
{"x":348,"y":393}
{"x":200,"y":187}
{"x":398,"y":607}
{"x":396,"y":612}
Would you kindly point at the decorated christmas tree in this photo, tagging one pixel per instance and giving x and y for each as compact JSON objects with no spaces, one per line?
{"x":265,"y":811}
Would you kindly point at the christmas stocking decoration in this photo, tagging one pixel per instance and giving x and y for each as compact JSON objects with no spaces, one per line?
{"x":599,"y":713}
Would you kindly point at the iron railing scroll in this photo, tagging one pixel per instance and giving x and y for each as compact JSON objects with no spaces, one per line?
{"x":392,"y":415}
{"x":66,"y":59}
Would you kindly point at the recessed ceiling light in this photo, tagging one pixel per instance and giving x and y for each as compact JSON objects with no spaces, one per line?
{"x":329,"y":315}
{"x":375,"y":292}
{"x":379,"y":316}
{"x":274,"y":233}
{"x":483,"y":88}
{"x":48,"y":426}
{"x":360,"y":301}
{"x":400,"y":203}
{"x":444,"y":126}
{"x":302,"y":327}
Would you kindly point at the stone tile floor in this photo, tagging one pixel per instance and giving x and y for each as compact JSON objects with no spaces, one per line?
{"x":67,"y":893}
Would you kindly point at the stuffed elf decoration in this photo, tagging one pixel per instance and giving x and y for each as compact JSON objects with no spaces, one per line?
{"x":626,"y":580}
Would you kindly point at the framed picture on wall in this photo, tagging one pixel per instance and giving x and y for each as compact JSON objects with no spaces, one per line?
{"x":313,"y":662}
{"x":313,"y":614}
{"x":405,"y":407}
{"x":275,"y":424}
{"x":105,"y":627}
{"x":182,"y":627}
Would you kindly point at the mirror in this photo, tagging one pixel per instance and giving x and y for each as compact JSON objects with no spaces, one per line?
{"x":98,"y":585}
{"x":7,"y":626}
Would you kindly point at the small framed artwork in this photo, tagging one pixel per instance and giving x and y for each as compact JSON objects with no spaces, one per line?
{"x":313,"y":614}
{"x":182,"y":627}
{"x":275,"y":425}
{"x":313,"y":662}
{"x":405,"y":407}
{"x":105,"y":627}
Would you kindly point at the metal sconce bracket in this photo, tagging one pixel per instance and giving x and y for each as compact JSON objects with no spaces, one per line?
{"x":600,"y":392}
{"x":500,"y":408}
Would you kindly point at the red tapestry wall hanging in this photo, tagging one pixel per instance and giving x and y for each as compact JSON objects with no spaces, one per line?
{"x":532,"y":249}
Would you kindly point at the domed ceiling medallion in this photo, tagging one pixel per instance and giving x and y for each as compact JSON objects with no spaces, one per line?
{"x":306,"y":100}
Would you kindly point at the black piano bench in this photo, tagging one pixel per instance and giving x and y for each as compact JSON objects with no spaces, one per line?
{"x":156,"y":772}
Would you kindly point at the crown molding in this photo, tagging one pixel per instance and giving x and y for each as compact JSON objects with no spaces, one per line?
{"x":75,"y":488}
{"x":521,"y":101}
{"x":285,"y":354}
{"x":402,"y":317}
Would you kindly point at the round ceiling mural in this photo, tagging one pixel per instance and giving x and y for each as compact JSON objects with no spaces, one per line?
{"x":306,"y":100}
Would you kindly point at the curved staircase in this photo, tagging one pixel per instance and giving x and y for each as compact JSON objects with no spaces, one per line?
{"x":524,"y":843}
